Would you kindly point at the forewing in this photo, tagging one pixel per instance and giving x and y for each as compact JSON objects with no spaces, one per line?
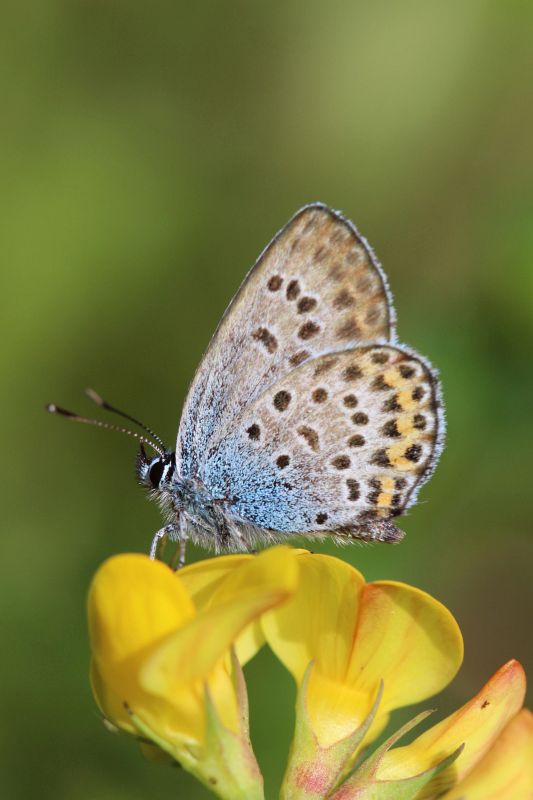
{"x":316,"y":288}
{"x":344,"y":438}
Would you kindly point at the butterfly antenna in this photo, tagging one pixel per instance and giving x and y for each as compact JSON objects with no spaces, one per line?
{"x":95,"y":397}
{"x":53,"y":409}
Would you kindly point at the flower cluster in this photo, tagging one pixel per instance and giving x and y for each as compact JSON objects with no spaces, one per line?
{"x":168,"y":648}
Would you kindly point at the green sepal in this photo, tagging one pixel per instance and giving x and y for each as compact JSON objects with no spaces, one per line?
{"x":369,"y":767}
{"x":225,"y":763}
{"x":404,"y":789}
{"x":313,"y":771}
{"x":228,"y":761}
{"x":241,"y":693}
{"x":362,"y":784}
{"x":186,"y":756}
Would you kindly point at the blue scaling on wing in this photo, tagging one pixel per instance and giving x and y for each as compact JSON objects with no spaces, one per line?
{"x":259,"y":494}
{"x":342,"y":436}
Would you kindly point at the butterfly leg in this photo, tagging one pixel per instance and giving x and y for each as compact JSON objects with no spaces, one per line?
{"x":159,"y":541}
{"x":183,"y":548}
{"x":178,"y":561}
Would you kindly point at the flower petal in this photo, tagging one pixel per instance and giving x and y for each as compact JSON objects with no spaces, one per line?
{"x":318,"y":624}
{"x":358,"y":635}
{"x":111,"y":706}
{"x":407,"y":639}
{"x":133,"y":604}
{"x":478,"y":724}
{"x":203,"y":580}
{"x":506,"y":771}
{"x":192,"y":652}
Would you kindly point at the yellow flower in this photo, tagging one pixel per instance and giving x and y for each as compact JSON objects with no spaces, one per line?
{"x":497,"y":760}
{"x":167,"y":649}
{"x":357,"y":651}
{"x":484,"y":751}
{"x":162,"y":666}
{"x":341,"y":638}
{"x":506,"y":771}
{"x":357,"y":635}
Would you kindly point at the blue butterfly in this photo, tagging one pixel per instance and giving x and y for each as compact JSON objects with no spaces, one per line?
{"x":305,"y":416}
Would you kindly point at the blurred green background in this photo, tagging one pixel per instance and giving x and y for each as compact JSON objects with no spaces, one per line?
{"x":149,"y":151}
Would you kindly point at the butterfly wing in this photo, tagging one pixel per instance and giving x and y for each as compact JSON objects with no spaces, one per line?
{"x":316,"y":288}
{"x":341,"y":443}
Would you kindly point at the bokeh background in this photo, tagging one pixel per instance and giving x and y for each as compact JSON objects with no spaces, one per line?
{"x":149,"y":151}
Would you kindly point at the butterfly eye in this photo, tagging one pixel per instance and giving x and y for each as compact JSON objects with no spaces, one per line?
{"x":156,"y":472}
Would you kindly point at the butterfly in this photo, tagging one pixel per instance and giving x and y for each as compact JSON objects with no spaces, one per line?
{"x":305,"y":415}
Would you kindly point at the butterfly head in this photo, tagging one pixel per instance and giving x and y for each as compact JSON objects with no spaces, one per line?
{"x":155,"y":473}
